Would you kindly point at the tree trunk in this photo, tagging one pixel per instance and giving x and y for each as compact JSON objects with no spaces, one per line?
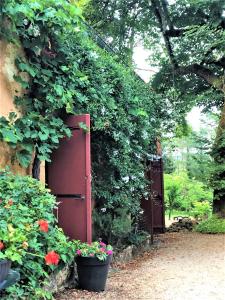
{"x":218,"y":205}
{"x":36,"y":168}
{"x":218,"y":154}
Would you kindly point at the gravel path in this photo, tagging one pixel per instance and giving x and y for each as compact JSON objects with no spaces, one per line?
{"x":187,"y":266}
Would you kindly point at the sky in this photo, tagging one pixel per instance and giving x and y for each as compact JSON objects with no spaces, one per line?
{"x":194,"y":118}
{"x":140,"y":58}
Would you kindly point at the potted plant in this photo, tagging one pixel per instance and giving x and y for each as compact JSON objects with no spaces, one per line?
{"x":92,"y":265}
{"x":4,"y":269}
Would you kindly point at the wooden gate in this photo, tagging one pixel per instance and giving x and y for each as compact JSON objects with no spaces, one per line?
{"x":69,"y":178}
{"x":153,"y":219}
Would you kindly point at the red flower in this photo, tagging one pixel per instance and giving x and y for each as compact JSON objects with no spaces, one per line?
{"x":43,"y":225}
{"x":52,"y":258}
{"x":2,"y":246}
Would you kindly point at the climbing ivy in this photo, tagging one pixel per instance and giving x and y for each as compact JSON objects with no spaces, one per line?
{"x":42,"y":28}
{"x":70,"y":74}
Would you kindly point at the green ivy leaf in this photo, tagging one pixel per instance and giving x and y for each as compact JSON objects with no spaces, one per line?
{"x":24,"y":157}
{"x":83,"y":126}
{"x":9,"y":136}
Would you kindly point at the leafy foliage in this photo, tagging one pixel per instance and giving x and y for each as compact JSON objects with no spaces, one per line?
{"x":172,"y":198}
{"x":24,"y":202}
{"x":202,"y":209}
{"x":186,"y":195}
{"x":186,"y":42}
{"x":69,"y":73}
{"x":190,"y":152}
{"x":212,"y":225}
{"x":168,"y":164}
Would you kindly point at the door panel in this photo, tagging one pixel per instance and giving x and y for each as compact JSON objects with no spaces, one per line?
{"x":69,"y":178}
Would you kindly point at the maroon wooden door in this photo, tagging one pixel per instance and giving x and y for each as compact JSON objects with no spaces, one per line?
{"x":69,"y":178}
{"x":153,"y":207}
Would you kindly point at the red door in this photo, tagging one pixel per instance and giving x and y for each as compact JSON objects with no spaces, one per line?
{"x":69,"y":178}
{"x":153,"y":208}
{"x":157,"y":195}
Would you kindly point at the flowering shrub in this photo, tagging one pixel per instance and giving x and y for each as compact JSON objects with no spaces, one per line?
{"x":29,"y":236}
{"x":95,"y":249}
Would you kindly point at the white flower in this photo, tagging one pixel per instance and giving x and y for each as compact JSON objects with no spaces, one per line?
{"x":126,"y":179}
{"x":94,"y":55}
{"x":103,"y":110}
{"x":25,"y":22}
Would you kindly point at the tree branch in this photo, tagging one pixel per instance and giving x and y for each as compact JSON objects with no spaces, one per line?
{"x":205,"y":73}
{"x":168,"y":22}
{"x":162,"y":25}
{"x":160,"y":8}
{"x":175,"y":32}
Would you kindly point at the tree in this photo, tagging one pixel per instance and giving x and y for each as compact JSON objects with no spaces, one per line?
{"x":168,"y":164}
{"x":186,"y":195}
{"x":190,"y":152}
{"x":199,"y":161}
{"x":172,"y":195}
{"x":120,"y":23}
{"x":187,"y":41}
{"x":188,"y":29}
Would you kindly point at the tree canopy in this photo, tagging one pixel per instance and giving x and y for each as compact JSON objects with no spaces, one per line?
{"x":186,"y":39}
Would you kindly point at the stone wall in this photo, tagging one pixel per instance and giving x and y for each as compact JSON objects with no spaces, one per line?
{"x":9,"y":88}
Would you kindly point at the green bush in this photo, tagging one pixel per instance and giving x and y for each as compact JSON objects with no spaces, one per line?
{"x":27,"y":208}
{"x":189,"y":192}
{"x":113,"y":225}
{"x":212,"y":225}
{"x":138,"y":238}
{"x":201,"y":209}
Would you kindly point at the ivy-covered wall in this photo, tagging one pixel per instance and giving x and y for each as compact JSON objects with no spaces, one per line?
{"x":70,"y":74}
{"x":8,"y":88}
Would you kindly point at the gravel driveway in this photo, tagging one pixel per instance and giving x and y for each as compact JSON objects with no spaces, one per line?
{"x":187,"y":266}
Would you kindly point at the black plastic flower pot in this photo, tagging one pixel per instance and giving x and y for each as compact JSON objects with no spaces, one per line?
{"x":92,"y":273}
{"x":4,"y":269}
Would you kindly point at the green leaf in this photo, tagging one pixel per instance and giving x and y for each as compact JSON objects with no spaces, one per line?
{"x":43,"y":136}
{"x":83,"y":126}
{"x":25,"y":67}
{"x":23,"y":83}
{"x":24,"y":157}
{"x":9,"y":136}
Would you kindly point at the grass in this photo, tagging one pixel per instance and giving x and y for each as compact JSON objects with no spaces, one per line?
{"x":176,"y":213}
{"x":211,"y":225}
